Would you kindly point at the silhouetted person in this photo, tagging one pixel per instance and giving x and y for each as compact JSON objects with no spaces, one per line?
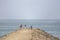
{"x":31,"y":27}
{"x":25,"y":25}
{"x":21,"y":26}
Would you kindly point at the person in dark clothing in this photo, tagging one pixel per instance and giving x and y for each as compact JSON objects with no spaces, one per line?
{"x":25,"y":25}
{"x":31,"y":27}
{"x":21,"y":26}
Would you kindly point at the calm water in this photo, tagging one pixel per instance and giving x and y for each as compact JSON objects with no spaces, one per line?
{"x":50,"y":26}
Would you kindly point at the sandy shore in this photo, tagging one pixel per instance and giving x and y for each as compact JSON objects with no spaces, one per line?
{"x":29,"y":34}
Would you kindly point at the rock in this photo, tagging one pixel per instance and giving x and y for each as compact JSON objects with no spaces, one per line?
{"x":28,"y":34}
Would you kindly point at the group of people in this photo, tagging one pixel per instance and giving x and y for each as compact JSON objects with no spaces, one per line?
{"x":24,"y":26}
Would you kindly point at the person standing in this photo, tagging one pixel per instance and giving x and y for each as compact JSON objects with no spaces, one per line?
{"x":31,"y":27}
{"x":25,"y":25}
{"x":21,"y":26}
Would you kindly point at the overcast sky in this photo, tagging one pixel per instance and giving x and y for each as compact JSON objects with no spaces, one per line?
{"x":29,"y":9}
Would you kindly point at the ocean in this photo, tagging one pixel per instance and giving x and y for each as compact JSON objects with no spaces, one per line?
{"x":10,"y":25}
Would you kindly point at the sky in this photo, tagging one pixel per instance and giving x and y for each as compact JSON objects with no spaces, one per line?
{"x":29,"y":9}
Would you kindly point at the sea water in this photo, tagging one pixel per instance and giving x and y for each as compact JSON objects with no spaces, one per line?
{"x":10,"y":25}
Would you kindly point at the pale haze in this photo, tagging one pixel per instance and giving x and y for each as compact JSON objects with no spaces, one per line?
{"x":29,"y":9}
